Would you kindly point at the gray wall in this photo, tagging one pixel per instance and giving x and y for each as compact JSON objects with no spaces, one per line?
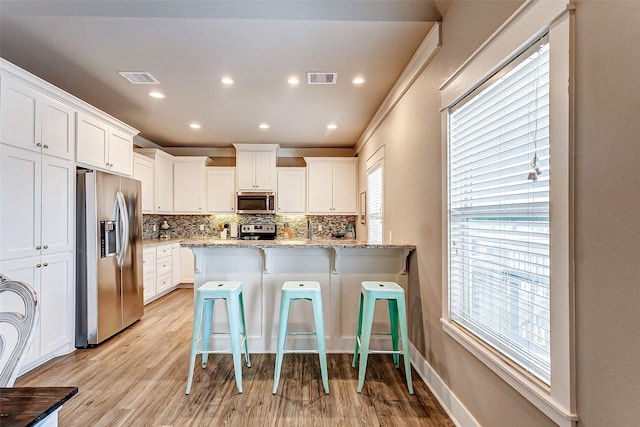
{"x":607,"y":167}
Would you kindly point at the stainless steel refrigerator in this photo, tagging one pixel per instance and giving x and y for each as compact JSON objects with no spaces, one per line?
{"x":109,"y":289}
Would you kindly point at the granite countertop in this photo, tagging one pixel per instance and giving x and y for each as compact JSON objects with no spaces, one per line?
{"x":156,"y":242}
{"x":286,"y":243}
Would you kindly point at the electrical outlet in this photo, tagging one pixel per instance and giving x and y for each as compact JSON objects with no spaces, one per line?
{"x":201,"y":227}
{"x":155,"y":227}
{"x":319,"y":227}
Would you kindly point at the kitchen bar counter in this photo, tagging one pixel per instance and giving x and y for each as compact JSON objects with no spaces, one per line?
{"x":339,"y":265}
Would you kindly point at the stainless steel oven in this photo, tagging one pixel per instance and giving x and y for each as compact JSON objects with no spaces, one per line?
{"x":256,"y":203}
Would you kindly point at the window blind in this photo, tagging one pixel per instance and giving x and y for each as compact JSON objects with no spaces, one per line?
{"x":374,"y":203}
{"x":499,"y":213}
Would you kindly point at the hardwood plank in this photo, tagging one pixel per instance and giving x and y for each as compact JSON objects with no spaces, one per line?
{"x":138,"y":378}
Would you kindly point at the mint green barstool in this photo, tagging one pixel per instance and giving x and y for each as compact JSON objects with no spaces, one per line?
{"x":292,"y":291}
{"x":370,"y":292}
{"x":206,"y":295}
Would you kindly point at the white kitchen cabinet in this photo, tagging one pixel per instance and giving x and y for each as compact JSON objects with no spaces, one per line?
{"x":292,"y":190}
{"x":37,"y":198}
{"x":162,"y":179}
{"x":102,"y":146}
{"x":189,"y":185}
{"x":256,"y":167}
{"x":187,"y":263}
{"x":149,"y":273}
{"x":175,"y":258}
{"x":51,"y":277}
{"x":164,"y":266}
{"x":32,"y":120}
{"x":331,"y":185}
{"x":143,"y":171}
{"x":220,"y":184}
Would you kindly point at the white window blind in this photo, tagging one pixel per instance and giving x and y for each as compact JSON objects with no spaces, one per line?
{"x":374,"y":203}
{"x":499,"y":213}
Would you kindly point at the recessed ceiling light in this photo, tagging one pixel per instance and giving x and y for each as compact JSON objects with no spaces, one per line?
{"x":158,"y":95}
{"x":195,"y":126}
{"x":293,"y":81}
{"x":357,"y":81}
{"x":332,"y":126}
{"x":264,"y":126}
{"x":227,"y":80}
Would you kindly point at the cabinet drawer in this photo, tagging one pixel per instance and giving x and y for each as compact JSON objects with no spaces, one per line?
{"x":164,"y":265}
{"x":164,"y":282}
{"x":163,"y":250}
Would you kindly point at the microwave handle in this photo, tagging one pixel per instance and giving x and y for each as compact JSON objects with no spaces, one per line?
{"x":268,"y":200}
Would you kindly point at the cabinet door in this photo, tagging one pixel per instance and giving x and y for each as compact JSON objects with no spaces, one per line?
{"x":58,"y":183}
{"x":58,"y":129}
{"x":319,"y":188}
{"x":23,"y":270}
{"x":149,"y":272}
{"x":344,"y":188}
{"x":56,"y":298}
{"x":245,"y":170}
{"x":175,"y":268}
{"x":221,"y":194}
{"x":164,"y":185}
{"x":19,"y":115}
{"x":20,"y":198}
{"x":93,"y":139}
{"x":143,"y":172}
{"x":120,"y":152}
{"x":292,"y":190}
{"x":265,"y":170}
{"x":188,"y":187}
{"x":187,"y":262}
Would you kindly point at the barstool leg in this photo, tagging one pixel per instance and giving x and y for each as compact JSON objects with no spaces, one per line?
{"x":355,"y":352}
{"x":194,"y":342}
{"x":282,"y":334}
{"x":393,"y":322}
{"x":244,"y":333}
{"x":233,"y":310}
{"x":367,"y":322}
{"x":402,"y":311}
{"x":322,"y":351}
{"x":207,"y":318}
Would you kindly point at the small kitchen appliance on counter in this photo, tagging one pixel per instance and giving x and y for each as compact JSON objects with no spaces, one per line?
{"x":258,"y":232}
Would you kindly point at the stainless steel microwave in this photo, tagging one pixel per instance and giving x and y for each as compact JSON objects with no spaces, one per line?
{"x":256,"y":203}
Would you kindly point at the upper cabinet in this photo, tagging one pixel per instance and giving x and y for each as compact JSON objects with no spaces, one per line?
{"x":331,"y":185}
{"x":221,"y":182}
{"x":292,"y":190}
{"x":189,"y":184}
{"x":256,"y":167}
{"x":162,"y":179}
{"x":103,"y":146}
{"x":32,"y":120}
{"x":143,"y":171}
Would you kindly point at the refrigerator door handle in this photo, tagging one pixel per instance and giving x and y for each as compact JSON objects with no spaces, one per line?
{"x":122,"y":215}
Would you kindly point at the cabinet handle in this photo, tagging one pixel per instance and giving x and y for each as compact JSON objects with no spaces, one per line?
{"x":38,"y":145}
{"x":38,"y":265}
{"x":45,"y":146}
{"x":45,"y":247}
{"x":45,"y":264}
{"x":38,"y":247}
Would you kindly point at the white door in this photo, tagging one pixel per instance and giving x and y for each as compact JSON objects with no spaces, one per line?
{"x":221,"y":190}
{"x":120,"y":152}
{"x":58,"y":129}
{"x":292,"y":190}
{"x":245,"y":170}
{"x":344,"y":188}
{"x":58,"y":183}
{"x":19,"y":115}
{"x":164,"y":185}
{"x":143,"y":172}
{"x":188,"y":187}
{"x":175,"y":268}
{"x":20,"y":198}
{"x":319,"y":188}
{"x":93,"y":140}
{"x":265,"y":164}
{"x":56,"y":309}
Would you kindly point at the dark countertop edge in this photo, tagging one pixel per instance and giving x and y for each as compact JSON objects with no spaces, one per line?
{"x":287,"y":244}
{"x":65,"y":394}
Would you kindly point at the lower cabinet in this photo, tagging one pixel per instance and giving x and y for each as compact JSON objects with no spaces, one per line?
{"x":51,"y":277}
{"x":161,"y":270}
{"x":149,"y":273}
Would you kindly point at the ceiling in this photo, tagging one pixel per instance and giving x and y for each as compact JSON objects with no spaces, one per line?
{"x":188,"y":46}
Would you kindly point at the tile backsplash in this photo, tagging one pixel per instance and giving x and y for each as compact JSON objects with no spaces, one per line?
{"x":181,"y":226}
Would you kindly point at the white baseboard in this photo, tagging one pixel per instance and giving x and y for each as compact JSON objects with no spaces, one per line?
{"x":454,"y":408}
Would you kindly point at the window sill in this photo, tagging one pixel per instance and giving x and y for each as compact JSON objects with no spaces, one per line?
{"x":528,"y":387}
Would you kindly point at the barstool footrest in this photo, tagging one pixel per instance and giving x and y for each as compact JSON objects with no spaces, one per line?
{"x":316,"y":351}
{"x":301,"y":333}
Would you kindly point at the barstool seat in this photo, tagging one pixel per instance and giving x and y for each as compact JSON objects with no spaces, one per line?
{"x":370,"y":292}
{"x":291,"y":291}
{"x":231,"y":292}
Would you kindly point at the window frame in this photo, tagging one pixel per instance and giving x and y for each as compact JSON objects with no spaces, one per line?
{"x":529,"y":22}
{"x":376,"y":160}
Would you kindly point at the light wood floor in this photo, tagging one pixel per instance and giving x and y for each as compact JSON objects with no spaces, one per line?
{"x":138,"y":379}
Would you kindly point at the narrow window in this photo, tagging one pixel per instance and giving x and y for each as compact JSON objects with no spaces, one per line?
{"x":498,"y":194}
{"x":374,"y":202}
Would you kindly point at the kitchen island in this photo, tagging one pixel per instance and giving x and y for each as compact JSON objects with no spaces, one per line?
{"x":262,"y":266}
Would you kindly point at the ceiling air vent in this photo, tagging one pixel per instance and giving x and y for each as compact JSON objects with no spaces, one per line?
{"x":322,"y":78}
{"x":139,"y":77}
